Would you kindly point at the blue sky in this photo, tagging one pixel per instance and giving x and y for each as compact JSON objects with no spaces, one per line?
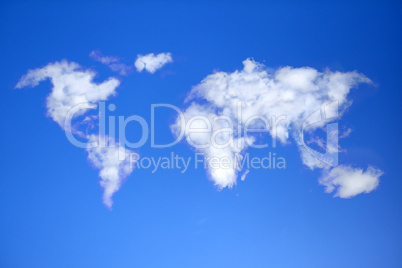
{"x":53,"y":214}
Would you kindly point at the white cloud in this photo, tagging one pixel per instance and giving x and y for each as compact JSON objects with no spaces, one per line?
{"x":345,"y":133}
{"x":152,"y":63}
{"x":114,"y":63}
{"x":348,"y":181}
{"x":222,"y":176}
{"x":98,"y":56}
{"x":293,"y":92}
{"x":120,"y":68}
{"x":72,"y":85}
{"x":113,"y":160}
{"x":243,"y":176}
{"x":296,"y":93}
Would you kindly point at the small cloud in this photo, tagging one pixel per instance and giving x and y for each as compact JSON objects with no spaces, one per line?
{"x":349,"y":182}
{"x":98,"y":56}
{"x":345,"y":133}
{"x":152,"y":63}
{"x":243,"y":177}
{"x":114,"y":63}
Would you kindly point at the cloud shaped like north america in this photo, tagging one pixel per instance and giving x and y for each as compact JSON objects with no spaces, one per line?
{"x":73,"y":85}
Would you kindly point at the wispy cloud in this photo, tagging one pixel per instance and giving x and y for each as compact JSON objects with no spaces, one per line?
{"x":98,"y":56}
{"x":113,"y":62}
{"x":151,"y":62}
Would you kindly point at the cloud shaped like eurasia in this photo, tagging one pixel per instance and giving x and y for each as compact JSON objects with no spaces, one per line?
{"x":296,"y":93}
{"x":151,"y":62}
{"x":72,"y":86}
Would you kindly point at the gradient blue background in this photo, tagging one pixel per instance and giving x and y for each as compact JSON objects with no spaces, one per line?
{"x":52,"y":214}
